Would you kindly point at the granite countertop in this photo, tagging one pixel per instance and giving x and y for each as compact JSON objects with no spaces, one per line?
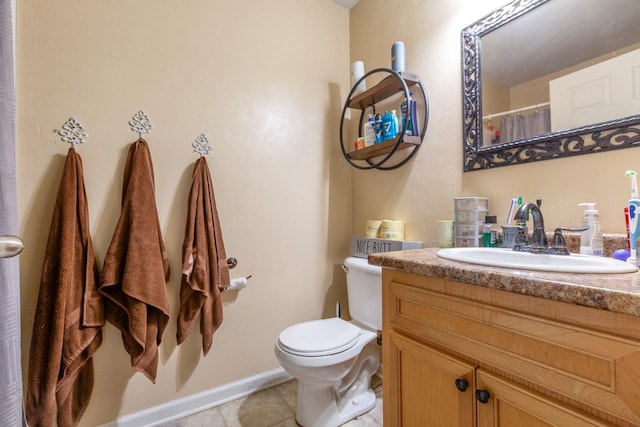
{"x":614,"y":292}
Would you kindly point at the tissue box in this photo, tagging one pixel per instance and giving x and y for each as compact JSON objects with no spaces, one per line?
{"x":361,"y":247}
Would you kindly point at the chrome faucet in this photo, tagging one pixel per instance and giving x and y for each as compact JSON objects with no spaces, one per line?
{"x":539,"y":242}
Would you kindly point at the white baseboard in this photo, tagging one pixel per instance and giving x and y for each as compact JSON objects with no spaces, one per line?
{"x":186,"y":406}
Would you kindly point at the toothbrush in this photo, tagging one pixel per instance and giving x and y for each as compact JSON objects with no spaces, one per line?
{"x":634,"y":183}
{"x":634,"y":211}
{"x":510,"y":214}
{"x":626,"y":222}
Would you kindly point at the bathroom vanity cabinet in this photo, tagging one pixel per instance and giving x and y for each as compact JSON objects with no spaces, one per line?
{"x":458,"y":354}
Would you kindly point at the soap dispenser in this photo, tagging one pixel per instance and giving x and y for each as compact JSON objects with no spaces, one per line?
{"x":591,"y":239}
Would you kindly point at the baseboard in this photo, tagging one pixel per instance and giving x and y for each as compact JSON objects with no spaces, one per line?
{"x":186,"y":406}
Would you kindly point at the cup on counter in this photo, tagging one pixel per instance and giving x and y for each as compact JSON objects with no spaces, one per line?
{"x":392,"y":230}
{"x":445,"y":233}
{"x":509,"y":234}
{"x":373,"y":228}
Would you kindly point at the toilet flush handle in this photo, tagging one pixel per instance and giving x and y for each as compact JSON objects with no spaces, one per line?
{"x":11,"y":246}
{"x":345,"y":268}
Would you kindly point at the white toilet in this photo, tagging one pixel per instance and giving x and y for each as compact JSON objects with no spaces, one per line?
{"x":332,"y":359}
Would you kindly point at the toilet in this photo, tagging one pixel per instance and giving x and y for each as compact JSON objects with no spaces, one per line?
{"x":334,"y":359}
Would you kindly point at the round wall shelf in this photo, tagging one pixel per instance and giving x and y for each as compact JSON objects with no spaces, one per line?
{"x":395,"y":152}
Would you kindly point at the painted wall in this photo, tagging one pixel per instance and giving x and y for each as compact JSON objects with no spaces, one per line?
{"x":267,"y":88}
{"x":265,"y":82}
{"x":422,"y":191}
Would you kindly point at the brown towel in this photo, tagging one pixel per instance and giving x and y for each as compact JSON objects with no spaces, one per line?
{"x":136,"y":267}
{"x":69,"y":315}
{"x":204,"y":261}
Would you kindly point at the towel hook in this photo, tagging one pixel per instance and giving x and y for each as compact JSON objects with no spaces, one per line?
{"x":201,"y":145}
{"x":232,"y":263}
{"x":140,"y":123}
{"x":73,"y":132}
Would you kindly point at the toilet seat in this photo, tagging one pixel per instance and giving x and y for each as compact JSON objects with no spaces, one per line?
{"x":319,"y":337}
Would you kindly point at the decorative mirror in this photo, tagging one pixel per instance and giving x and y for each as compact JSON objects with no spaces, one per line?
{"x":544,"y":79}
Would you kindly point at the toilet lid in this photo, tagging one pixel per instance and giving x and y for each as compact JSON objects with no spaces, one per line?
{"x":319,"y":337}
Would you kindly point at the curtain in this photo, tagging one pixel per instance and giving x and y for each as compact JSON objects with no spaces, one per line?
{"x":520,"y":126}
{"x":11,"y":409}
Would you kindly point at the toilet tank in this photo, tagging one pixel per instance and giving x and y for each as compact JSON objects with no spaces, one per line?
{"x":364,"y":291}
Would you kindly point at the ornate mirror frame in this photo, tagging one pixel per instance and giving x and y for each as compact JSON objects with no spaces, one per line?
{"x":605,"y":136}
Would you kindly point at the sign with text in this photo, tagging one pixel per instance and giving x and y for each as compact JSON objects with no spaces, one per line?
{"x":361,"y":247}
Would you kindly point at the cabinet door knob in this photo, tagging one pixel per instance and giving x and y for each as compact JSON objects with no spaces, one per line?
{"x":483,"y":396}
{"x":462,"y":384}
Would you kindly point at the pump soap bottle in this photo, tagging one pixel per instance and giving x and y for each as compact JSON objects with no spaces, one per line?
{"x":591,"y":239}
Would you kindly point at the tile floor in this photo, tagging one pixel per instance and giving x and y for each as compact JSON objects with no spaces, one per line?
{"x":273,"y":407}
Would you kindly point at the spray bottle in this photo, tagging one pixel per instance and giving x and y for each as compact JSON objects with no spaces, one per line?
{"x":591,"y":242}
{"x":634,"y":211}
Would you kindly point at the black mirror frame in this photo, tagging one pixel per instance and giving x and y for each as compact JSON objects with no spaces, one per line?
{"x":605,"y":136}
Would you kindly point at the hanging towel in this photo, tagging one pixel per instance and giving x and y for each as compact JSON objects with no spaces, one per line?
{"x":136,"y":267}
{"x":69,"y":313}
{"x":204,"y":261}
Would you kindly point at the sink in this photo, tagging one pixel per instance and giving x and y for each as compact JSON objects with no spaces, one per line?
{"x":574,"y":263}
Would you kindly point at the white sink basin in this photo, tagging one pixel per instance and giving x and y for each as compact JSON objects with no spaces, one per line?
{"x":496,"y":257}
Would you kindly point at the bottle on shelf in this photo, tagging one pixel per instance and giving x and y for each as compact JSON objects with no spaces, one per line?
{"x":389,"y":125}
{"x":377,"y":125}
{"x":408,"y":111}
{"x":369,"y":132}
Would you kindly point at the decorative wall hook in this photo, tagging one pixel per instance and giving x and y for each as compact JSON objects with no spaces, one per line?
{"x":140,"y":123}
{"x":201,"y":145}
{"x":73,"y":132}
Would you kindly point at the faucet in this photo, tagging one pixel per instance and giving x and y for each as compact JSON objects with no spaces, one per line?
{"x":539,"y":242}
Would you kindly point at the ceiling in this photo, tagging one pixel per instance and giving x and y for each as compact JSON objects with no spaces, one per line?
{"x":557,"y":35}
{"x":347,"y":4}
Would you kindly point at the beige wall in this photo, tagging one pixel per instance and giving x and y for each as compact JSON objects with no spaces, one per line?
{"x":422,"y":191}
{"x":264,"y":81}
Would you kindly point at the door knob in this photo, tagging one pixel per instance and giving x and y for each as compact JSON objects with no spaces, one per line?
{"x":462,"y":384}
{"x":483,"y":396}
{"x":10,"y":246}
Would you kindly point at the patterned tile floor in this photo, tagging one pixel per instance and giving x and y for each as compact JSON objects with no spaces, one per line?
{"x":273,"y":407}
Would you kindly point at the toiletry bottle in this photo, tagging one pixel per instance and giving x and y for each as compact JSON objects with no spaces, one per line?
{"x":369,"y":132}
{"x":397,"y":57}
{"x":405,"y":116}
{"x":388,"y":126}
{"x":591,"y":239}
{"x":396,"y":122}
{"x":490,"y":234}
{"x":377,"y":125}
{"x":413,"y":114}
{"x":407,"y":112}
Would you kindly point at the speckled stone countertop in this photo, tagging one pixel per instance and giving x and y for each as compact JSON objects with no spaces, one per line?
{"x":614,"y":292}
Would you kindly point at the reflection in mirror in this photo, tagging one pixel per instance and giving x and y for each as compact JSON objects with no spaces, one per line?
{"x":551,"y":78}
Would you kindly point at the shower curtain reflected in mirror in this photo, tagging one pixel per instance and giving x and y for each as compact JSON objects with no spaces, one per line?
{"x":521,"y":125}
{"x":11,"y":409}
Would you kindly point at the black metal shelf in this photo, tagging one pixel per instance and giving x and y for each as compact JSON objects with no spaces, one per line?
{"x":370,"y":157}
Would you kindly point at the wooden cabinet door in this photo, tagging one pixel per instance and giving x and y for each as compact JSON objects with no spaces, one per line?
{"x":510,"y":405}
{"x":422,"y":386}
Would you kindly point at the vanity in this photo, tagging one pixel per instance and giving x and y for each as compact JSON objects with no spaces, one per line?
{"x":470,"y":345}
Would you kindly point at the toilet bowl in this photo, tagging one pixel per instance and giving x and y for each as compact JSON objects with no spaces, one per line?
{"x":334,"y":359}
